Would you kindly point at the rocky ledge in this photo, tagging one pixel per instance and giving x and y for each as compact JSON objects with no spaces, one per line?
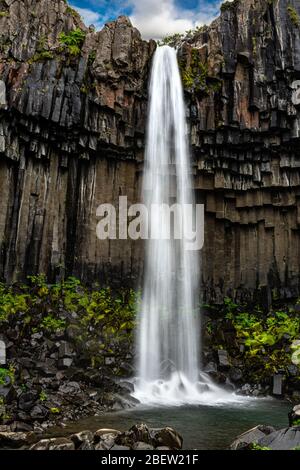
{"x":139,"y":437}
{"x":267,"y":438}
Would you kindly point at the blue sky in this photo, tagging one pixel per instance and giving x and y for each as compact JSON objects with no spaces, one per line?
{"x":154,"y":18}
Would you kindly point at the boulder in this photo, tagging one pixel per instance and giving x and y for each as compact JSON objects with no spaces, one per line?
{"x":138,"y":433}
{"x":83,"y":440}
{"x":166,"y":437}
{"x":2,"y":346}
{"x":284,"y":439}
{"x":39,"y":412}
{"x":235,"y":374}
{"x":223,"y":358}
{"x":278,"y":384}
{"x":27,"y":400}
{"x":102,"y":432}
{"x":142,"y":446}
{"x":294,"y":416}
{"x":60,"y":443}
{"x":254,"y":435}
{"x":14,"y":440}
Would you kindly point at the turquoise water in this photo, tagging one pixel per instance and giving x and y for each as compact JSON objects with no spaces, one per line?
{"x":202,"y":427}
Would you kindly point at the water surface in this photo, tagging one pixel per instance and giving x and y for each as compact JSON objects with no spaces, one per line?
{"x":202,"y":427}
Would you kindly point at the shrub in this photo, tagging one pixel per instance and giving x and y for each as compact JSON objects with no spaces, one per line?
{"x":73,"y":40}
{"x":41,"y":56}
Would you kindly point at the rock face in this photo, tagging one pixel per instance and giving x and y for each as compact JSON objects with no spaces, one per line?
{"x":72,"y":136}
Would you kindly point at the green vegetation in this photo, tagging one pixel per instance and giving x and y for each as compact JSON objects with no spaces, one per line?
{"x":92,"y":57}
{"x":73,"y":41}
{"x":268,"y":339}
{"x":171,"y":40}
{"x":55,"y":411}
{"x":41,"y":56}
{"x":43,"y":396}
{"x":52,"y":324}
{"x":258,"y":447}
{"x":4,"y":14}
{"x":294,"y":17}
{"x":174,"y":40}
{"x":195,"y":75}
{"x":254,"y":45}
{"x":104,"y":318}
{"x":7,"y":374}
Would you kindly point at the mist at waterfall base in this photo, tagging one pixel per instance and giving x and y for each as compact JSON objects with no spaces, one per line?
{"x":168,"y":339}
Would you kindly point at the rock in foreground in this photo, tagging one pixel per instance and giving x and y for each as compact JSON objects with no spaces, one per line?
{"x":139,"y":437}
{"x":267,"y":438}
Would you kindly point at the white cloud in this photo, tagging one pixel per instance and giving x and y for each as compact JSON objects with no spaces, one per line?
{"x":154,"y":18}
{"x":89,"y":16}
{"x":158,"y":18}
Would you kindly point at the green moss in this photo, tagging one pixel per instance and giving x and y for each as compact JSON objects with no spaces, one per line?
{"x":293,"y":15}
{"x":4,"y":14}
{"x":43,"y":396}
{"x":195,"y":76}
{"x":92,"y":57}
{"x":254,"y":45}
{"x":7,"y":373}
{"x":258,"y":447}
{"x":42,"y":56}
{"x":73,"y":41}
{"x":55,"y":411}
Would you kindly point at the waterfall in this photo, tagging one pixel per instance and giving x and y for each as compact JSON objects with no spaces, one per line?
{"x":168,"y":339}
{"x":169,"y":336}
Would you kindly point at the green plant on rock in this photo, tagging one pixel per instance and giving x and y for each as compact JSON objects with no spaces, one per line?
{"x":194,"y":75}
{"x":255,"y":446}
{"x":4,"y":14}
{"x":7,"y":374}
{"x":11,"y":303}
{"x":267,"y":339}
{"x":55,"y":411}
{"x":73,"y":40}
{"x":43,"y":396}
{"x":52,"y":324}
{"x":293,"y":15}
{"x":92,"y":57}
{"x":42,"y":56}
{"x":171,"y":40}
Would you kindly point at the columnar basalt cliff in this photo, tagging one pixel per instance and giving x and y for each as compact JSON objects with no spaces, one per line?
{"x":73,"y":113}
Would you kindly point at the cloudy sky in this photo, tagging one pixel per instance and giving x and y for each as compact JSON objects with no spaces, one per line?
{"x":154,"y":18}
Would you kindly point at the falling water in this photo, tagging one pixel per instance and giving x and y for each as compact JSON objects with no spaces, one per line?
{"x":168,"y":339}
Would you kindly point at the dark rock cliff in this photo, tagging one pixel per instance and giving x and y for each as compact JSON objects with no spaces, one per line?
{"x":72,"y":135}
